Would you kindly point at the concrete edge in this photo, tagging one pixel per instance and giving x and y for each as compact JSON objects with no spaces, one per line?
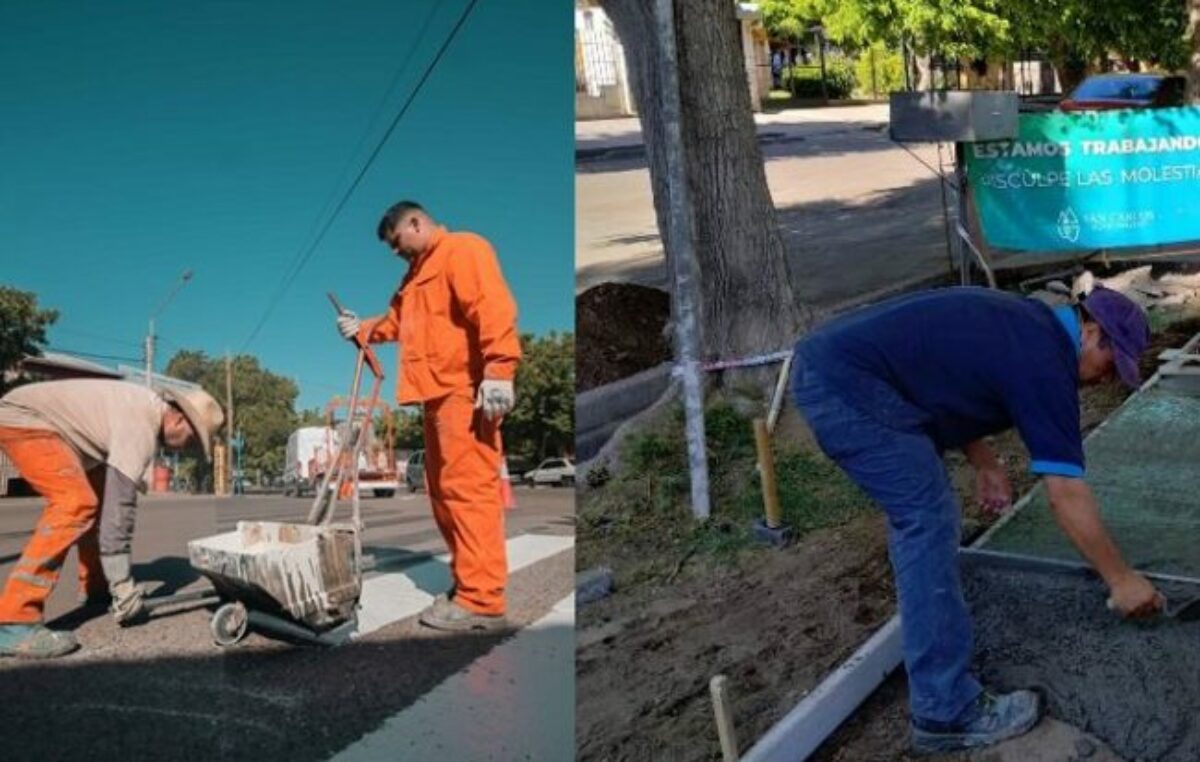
{"x":597,"y":407}
{"x":809,"y":723}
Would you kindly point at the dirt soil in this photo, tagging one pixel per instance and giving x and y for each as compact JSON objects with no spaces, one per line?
{"x":774,"y":622}
{"x":620,"y":332}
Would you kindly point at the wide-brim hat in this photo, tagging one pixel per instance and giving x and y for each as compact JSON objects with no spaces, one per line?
{"x":202,"y":411}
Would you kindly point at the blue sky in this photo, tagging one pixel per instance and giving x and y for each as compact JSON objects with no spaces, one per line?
{"x":139,"y":139}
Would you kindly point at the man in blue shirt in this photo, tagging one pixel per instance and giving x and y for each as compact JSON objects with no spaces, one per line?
{"x":888,"y":389}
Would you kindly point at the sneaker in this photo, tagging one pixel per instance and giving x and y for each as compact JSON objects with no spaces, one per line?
{"x":35,"y":641}
{"x":445,"y":614}
{"x":992,"y":718}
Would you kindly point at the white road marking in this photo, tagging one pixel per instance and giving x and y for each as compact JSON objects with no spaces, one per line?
{"x":388,"y":598}
{"x":516,"y":702}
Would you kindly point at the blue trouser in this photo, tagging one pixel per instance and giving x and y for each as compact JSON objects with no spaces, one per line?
{"x":903,"y":472}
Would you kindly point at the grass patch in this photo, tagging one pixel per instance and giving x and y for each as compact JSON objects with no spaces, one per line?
{"x":640,"y":523}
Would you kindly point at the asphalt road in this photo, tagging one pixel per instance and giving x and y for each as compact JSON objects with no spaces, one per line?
{"x":163,"y":690}
{"x":858,"y":212}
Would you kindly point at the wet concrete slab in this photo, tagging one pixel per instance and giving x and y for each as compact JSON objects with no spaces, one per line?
{"x":1142,"y":466}
{"x":1132,"y":685}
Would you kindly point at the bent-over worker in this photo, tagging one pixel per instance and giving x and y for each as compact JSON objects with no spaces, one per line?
{"x":456,"y":323}
{"x":887,"y":390}
{"x":86,"y":445}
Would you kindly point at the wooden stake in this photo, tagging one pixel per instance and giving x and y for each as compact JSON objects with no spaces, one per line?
{"x":719,"y":688}
{"x":766,"y":469}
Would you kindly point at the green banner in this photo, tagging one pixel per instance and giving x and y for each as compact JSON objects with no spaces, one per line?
{"x":1090,"y":180}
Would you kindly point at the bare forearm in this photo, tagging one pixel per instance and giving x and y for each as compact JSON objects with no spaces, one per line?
{"x":1078,"y":516}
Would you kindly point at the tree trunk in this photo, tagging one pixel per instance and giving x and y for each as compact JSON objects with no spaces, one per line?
{"x":747,"y":302}
{"x":1193,"y":34}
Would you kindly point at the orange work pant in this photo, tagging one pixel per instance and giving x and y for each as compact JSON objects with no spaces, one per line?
{"x":53,"y":469}
{"x":462,"y":471}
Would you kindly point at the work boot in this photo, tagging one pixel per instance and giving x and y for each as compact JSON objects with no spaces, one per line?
{"x":990,"y":719}
{"x":445,"y":614}
{"x":35,"y":641}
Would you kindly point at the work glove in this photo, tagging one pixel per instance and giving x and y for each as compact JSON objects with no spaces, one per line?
{"x":348,"y":324}
{"x":495,"y":398}
{"x":127,"y":595}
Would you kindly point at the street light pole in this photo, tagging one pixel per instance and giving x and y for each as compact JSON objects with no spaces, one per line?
{"x":183,"y":279}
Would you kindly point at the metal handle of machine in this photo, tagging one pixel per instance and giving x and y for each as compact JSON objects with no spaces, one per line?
{"x":324,"y":503}
{"x":368,"y":353}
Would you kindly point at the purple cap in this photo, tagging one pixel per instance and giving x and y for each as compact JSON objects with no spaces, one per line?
{"x":1125,"y":325}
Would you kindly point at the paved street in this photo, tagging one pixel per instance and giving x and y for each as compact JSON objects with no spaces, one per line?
{"x":164,"y":690}
{"x":860,"y":214}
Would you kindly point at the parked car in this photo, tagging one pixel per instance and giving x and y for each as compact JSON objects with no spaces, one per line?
{"x":560,"y":471}
{"x":1103,"y":92}
{"x":414,"y":471}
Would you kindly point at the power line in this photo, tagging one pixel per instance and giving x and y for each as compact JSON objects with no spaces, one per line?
{"x":307,"y":255}
{"x":362,"y":142}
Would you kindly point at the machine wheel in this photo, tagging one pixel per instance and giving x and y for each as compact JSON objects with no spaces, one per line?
{"x":385,"y":492}
{"x":229,"y":623}
{"x":412,"y":487}
{"x":568,"y":481}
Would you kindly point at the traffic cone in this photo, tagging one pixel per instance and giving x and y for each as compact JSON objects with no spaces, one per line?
{"x":507,"y":496}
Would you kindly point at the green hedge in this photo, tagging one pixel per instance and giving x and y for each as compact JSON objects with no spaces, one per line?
{"x":889,"y":70}
{"x":839,"y":79}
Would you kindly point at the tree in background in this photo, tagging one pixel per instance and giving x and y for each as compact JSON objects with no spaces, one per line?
{"x":263,"y":404}
{"x":314,"y":416}
{"x":1076,"y":35}
{"x":543,"y":422}
{"x":747,"y":302}
{"x":22,"y":328}
{"x":408,"y":426}
{"x":1193,"y":37}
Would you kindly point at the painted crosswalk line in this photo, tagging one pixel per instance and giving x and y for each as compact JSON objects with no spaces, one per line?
{"x":393,"y":596}
{"x":516,"y":702}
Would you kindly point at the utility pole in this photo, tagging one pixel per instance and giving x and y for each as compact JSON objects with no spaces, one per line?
{"x":229,"y":419}
{"x":682,"y":261}
{"x":150,"y":338}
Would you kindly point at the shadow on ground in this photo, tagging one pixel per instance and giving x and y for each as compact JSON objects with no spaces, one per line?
{"x":277,"y":703}
{"x":837,"y":250}
{"x":813,"y":138}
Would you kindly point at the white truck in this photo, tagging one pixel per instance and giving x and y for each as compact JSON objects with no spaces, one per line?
{"x":308,"y":449}
{"x":311,"y":451}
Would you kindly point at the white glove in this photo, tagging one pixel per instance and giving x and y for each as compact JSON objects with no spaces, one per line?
{"x":126,"y":594}
{"x":495,"y":397}
{"x":348,"y":324}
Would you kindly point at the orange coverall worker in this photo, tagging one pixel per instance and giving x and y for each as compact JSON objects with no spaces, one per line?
{"x":456,"y":323}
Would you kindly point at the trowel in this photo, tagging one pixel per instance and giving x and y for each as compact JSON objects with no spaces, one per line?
{"x":1187,"y":611}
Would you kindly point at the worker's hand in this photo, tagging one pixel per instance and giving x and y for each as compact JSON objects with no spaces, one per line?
{"x":127,"y":595}
{"x":127,"y":599}
{"x":495,"y":398}
{"x":348,"y":324}
{"x":1133,"y":597}
{"x":992,"y":490}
